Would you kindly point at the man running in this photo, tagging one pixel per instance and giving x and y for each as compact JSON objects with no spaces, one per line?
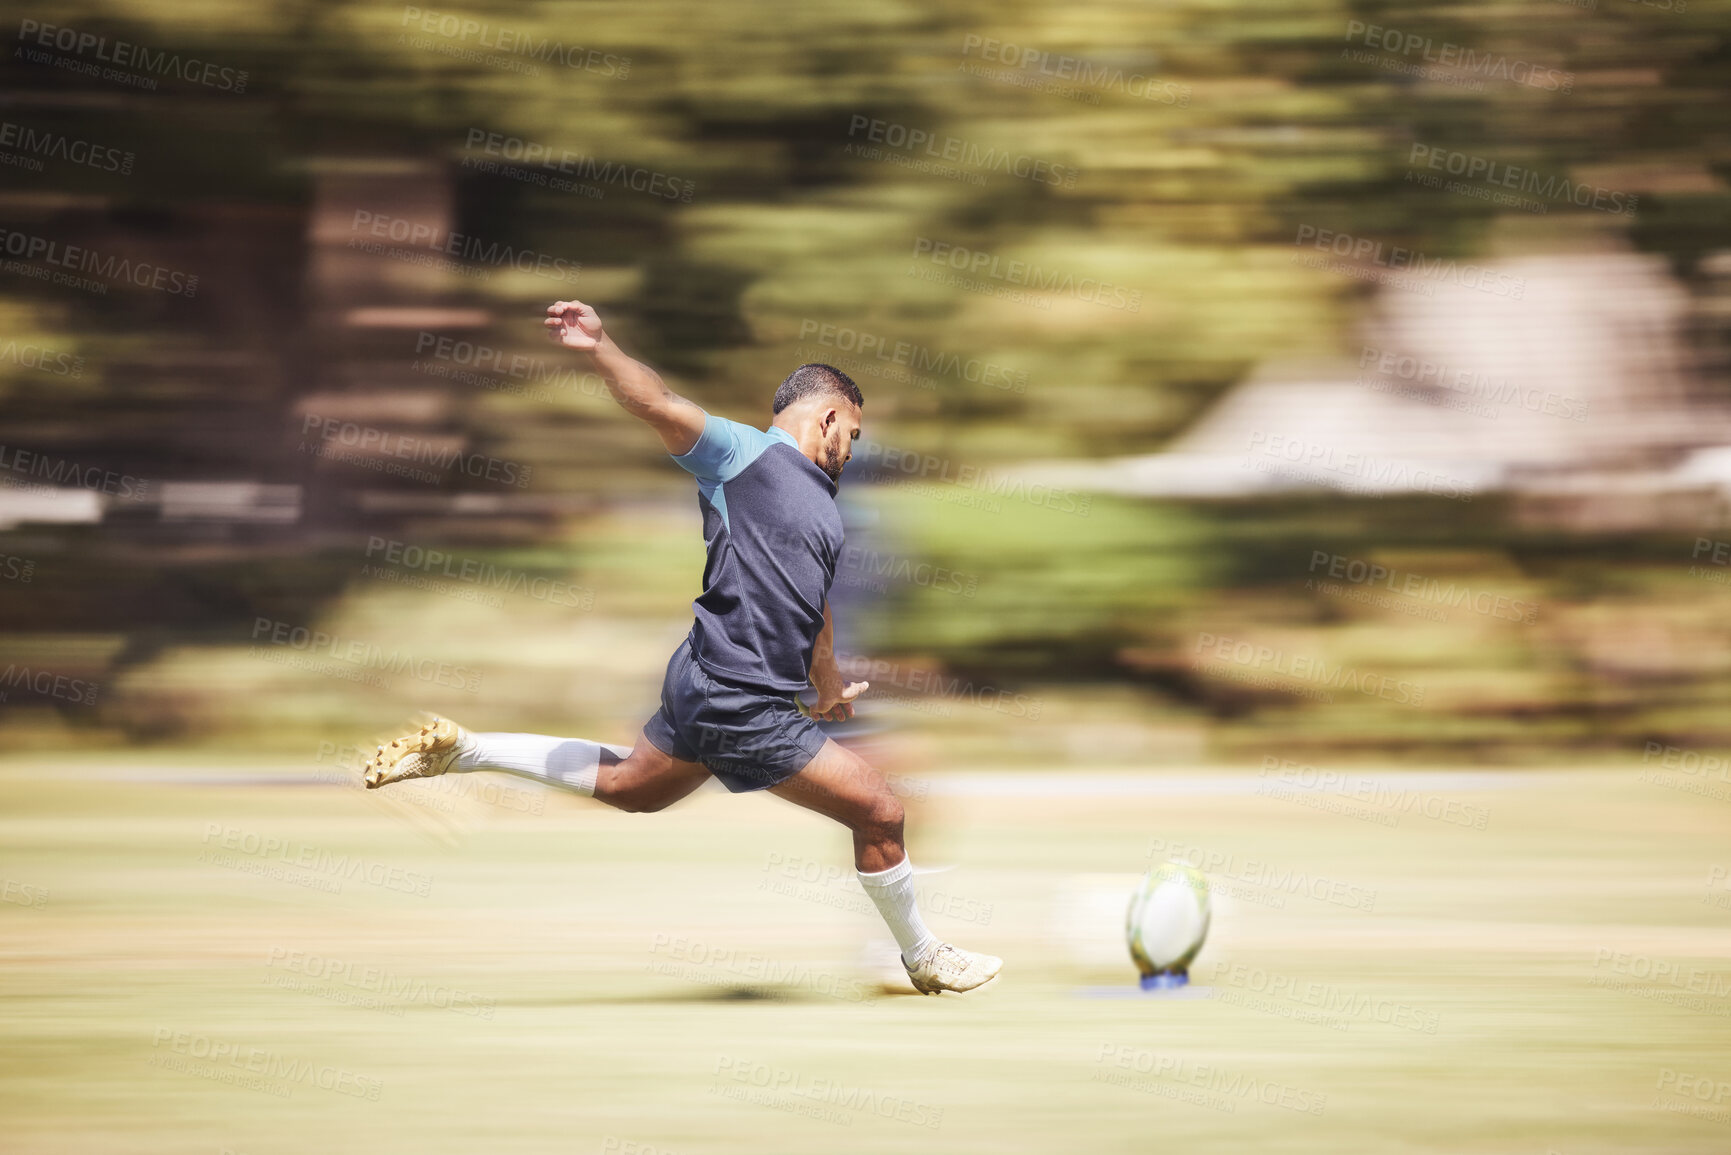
{"x":763,"y":631}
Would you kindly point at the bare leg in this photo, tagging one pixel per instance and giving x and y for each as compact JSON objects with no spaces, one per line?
{"x":842,"y":785}
{"x":635,"y":778}
{"x":839,"y":784}
{"x":649,"y":779}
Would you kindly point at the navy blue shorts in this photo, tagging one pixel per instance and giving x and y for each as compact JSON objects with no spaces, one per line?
{"x":748,"y":737}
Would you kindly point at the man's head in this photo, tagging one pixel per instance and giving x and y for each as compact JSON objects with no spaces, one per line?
{"x":820,"y":405}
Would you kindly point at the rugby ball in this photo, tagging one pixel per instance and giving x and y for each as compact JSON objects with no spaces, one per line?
{"x":1168,"y":919}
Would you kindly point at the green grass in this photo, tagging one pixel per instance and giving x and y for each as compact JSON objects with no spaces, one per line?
{"x":608,"y":971}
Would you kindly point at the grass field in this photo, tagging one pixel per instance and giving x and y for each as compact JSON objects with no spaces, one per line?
{"x":204,"y":957}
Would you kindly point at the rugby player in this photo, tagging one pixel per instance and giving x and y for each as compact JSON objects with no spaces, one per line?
{"x":763,"y":632}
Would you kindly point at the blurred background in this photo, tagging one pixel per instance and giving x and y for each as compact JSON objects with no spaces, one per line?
{"x":1298,"y":443}
{"x":1174,"y":322}
{"x":1389,"y":342}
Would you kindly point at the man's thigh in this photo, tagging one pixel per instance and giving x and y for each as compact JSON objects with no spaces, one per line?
{"x":838,"y":784}
{"x":751,"y":739}
{"x":648,"y":779}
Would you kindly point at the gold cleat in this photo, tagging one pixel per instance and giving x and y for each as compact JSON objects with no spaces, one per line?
{"x":427,"y":753}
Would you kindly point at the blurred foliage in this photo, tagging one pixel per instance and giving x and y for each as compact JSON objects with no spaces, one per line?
{"x":1506,"y":645}
{"x":1190,"y":202}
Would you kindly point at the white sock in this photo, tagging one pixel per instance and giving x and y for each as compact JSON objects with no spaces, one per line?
{"x":567,"y":763}
{"x":893,"y":891}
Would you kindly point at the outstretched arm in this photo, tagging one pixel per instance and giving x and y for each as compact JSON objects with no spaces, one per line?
{"x":835,"y":694}
{"x":638,"y":388}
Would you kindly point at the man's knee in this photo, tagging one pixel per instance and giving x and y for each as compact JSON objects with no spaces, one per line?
{"x":640,"y":801}
{"x":885,"y":813}
{"x":629,"y":784}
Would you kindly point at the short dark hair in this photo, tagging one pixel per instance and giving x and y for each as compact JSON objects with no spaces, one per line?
{"x":813,"y":379}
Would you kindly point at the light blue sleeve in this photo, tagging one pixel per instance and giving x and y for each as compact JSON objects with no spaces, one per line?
{"x":724,"y":450}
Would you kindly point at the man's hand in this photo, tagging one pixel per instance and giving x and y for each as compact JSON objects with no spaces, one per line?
{"x":835,"y":694}
{"x":574,"y":325}
{"x":638,"y":388}
{"x":835,"y":698}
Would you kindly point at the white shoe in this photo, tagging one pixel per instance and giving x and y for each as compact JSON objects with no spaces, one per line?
{"x":427,"y":753}
{"x":950,"y":968}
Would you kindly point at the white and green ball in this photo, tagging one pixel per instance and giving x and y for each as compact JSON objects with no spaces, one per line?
{"x":1168,"y":918}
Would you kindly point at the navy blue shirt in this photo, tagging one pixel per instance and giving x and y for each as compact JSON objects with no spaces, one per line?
{"x":773,"y":535}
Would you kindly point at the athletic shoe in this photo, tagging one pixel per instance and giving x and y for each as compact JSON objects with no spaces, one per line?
{"x":950,"y":968}
{"x":427,"y":753}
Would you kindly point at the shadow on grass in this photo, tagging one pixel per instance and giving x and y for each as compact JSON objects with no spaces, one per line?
{"x":735,"y":993}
